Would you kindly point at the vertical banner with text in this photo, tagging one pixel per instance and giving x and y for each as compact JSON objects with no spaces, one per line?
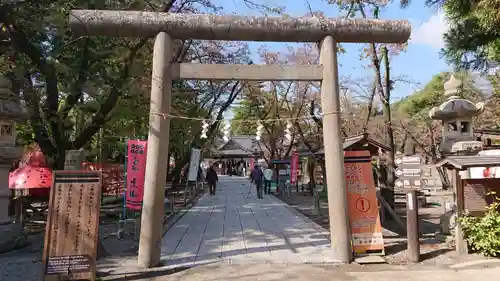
{"x":136,"y":171}
{"x":294,"y":166}
{"x":364,"y":215}
{"x":194,"y":164}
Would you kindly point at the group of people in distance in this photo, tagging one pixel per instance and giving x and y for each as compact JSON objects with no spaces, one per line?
{"x":261,"y":176}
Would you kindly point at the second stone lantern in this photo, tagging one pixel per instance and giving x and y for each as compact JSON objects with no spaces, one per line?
{"x":457,"y":113}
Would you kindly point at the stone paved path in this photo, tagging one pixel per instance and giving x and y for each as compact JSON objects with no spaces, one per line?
{"x":234,"y":227}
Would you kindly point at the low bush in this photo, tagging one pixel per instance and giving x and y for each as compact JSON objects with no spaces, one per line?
{"x":483,"y":233}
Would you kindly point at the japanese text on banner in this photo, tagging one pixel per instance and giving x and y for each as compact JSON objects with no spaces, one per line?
{"x":136,"y":171}
{"x":362,"y":198}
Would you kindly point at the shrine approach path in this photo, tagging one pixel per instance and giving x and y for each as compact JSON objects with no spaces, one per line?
{"x":234,"y":226}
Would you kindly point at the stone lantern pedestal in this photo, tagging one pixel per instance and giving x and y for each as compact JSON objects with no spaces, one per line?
{"x":11,"y":113}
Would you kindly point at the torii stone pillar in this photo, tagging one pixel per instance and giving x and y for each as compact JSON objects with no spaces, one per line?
{"x":238,"y":28}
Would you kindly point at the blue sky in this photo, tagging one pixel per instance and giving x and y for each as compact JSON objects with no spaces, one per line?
{"x":419,"y":63}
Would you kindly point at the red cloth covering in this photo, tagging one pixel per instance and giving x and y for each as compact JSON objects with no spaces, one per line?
{"x":33,"y":173}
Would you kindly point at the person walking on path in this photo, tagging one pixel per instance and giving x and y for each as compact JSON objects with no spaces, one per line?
{"x":268,"y":177}
{"x":257,"y":177}
{"x":212,"y":179}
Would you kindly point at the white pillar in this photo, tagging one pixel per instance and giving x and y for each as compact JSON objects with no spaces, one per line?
{"x":334,"y":154}
{"x":157,"y":154}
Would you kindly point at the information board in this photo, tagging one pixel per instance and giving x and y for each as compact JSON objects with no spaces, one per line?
{"x":74,"y":160}
{"x":71,"y":232}
{"x":136,"y":172}
{"x":364,"y":215}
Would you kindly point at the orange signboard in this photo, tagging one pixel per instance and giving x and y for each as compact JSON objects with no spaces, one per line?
{"x":362,"y":199}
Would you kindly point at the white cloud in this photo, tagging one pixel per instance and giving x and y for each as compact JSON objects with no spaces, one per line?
{"x":431,"y":32}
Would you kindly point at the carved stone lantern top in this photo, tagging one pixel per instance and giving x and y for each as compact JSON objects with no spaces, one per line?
{"x":455,"y":106}
{"x":10,"y":105}
{"x":456,"y":113}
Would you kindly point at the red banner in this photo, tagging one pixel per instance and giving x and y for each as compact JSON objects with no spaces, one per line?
{"x":136,"y":168}
{"x":294,"y":168}
{"x":363,"y":205}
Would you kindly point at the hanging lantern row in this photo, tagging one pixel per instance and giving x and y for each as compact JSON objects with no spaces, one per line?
{"x":259,"y":131}
{"x":204,"y":129}
{"x":227,"y":130}
{"x":288,"y":131}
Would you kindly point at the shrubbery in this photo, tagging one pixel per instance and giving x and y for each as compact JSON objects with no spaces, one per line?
{"x":483,"y":233}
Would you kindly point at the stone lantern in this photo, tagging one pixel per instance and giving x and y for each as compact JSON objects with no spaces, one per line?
{"x":11,"y":113}
{"x":456,"y":113}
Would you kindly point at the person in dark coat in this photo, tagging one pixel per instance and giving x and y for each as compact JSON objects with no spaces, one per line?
{"x":257,"y":177}
{"x":212,"y":179}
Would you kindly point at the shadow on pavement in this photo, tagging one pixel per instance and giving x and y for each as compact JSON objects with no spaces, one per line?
{"x":141,"y":275}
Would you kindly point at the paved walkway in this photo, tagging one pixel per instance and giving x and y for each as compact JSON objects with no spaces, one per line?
{"x":301,"y":272}
{"x":234,"y":226}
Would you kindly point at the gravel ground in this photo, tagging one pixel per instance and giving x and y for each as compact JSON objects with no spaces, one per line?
{"x":296,"y":272}
{"x":433,"y":251}
{"x":26,"y":264}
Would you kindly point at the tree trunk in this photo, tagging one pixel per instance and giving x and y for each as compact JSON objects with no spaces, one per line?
{"x":388,"y":192}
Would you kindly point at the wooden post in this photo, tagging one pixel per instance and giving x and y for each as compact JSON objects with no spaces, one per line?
{"x":413,"y":232}
{"x":157,"y":154}
{"x":334,"y":154}
{"x":460,"y":243}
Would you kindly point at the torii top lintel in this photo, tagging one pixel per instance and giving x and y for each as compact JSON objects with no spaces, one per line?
{"x":236,"y":28}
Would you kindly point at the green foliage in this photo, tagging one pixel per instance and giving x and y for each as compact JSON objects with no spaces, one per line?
{"x":473,"y":41}
{"x":418,"y":104}
{"x":93,"y":92}
{"x":483,"y":233}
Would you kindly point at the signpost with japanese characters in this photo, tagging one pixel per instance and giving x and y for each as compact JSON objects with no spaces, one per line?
{"x":136,"y":172}
{"x":71,"y":232}
{"x":409,"y":172}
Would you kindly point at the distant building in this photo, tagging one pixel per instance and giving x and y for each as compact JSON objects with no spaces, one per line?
{"x":235,"y":155}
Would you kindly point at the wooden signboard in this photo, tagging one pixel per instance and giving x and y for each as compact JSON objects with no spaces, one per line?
{"x":71,"y":233}
{"x":364,"y":215}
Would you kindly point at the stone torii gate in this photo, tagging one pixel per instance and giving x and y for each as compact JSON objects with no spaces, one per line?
{"x":167,"y":27}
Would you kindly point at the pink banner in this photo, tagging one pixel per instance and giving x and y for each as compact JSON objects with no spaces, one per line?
{"x":136,"y":171}
{"x":251,"y":164}
{"x":294,"y":168}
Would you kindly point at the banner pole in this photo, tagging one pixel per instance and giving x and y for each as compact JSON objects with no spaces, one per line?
{"x":125,"y":181}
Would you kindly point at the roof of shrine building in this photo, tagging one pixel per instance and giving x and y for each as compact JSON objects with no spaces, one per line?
{"x":360,"y":141}
{"x":237,"y":146}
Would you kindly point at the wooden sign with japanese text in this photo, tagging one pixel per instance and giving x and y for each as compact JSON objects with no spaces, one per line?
{"x":71,"y":232}
{"x":136,"y":173}
{"x":364,"y":215}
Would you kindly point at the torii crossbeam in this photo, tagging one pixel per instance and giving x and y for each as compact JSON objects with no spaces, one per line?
{"x":168,"y":26}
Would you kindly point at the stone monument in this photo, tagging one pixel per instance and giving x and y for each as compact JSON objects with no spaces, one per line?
{"x":11,"y":113}
{"x":456,"y":113}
